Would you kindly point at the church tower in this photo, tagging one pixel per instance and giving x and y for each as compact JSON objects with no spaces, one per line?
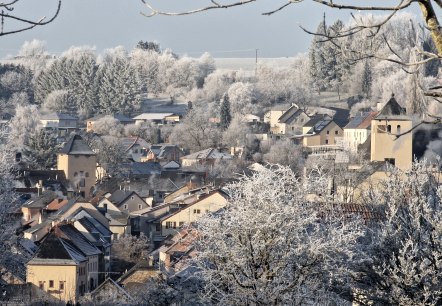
{"x":389,"y":138}
{"x":78,"y":162}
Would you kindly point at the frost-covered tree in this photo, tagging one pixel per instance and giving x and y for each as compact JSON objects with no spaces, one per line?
{"x":108,"y":125}
{"x":60,"y":101}
{"x":284,"y":152}
{"x":118,"y":86}
{"x":270,"y":246}
{"x":110,"y":154}
{"x":41,"y":150}
{"x":242,"y":96}
{"x":22,"y":125}
{"x":225,"y":116}
{"x":128,"y":250}
{"x":195,"y":132}
{"x":402,"y":264}
{"x":366,"y":80}
{"x":236,"y":133}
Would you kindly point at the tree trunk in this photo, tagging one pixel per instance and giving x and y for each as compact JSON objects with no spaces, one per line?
{"x":432,"y":23}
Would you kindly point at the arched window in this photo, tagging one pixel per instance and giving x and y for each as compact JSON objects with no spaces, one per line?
{"x":389,"y":128}
{"x":398,"y":129}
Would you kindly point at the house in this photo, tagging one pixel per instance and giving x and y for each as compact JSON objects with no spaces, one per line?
{"x":206,"y":203}
{"x":290,"y":122}
{"x":273,"y":115}
{"x":60,"y":122}
{"x":59,"y":269}
{"x":67,"y":231}
{"x":250,"y":118}
{"x":357,"y":131}
{"x":122,"y":119}
{"x":159,"y":118}
{"x":135,"y":147}
{"x":321,"y":130}
{"x":357,"y":183}
{"x":111,"y":293}
{"x":205,"y":157}
{"x":389,"y":138}
{"x":164,"y":153}
{"x":123,"y":201}
{"x":176,"y":252}
{"x":136,"y":278}
{"x":78,"y":162}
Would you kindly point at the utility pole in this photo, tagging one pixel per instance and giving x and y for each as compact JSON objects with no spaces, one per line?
{"x":256,"y":62}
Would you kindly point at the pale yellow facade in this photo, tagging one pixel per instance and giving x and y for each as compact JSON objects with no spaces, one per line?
{"x":79,"y":170}
{"x":385,"y":145}
{"x":327,"y":136}
{"x":193,"y":212}
{"x":356,"y":192}
{"x":354,"y":137}
{"x":66,"y":282}
{"x":272,"y":118}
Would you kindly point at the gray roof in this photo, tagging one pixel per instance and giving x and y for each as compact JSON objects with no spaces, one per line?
{"x":76,"y":145}
{"x":57,"y":116}
{"x":119,"y":196}
{"x":208,"y":154}
{"x":54,"y":247}
{"x":120,"y":117}
{"x":69,"y":232}
{"x":41,"y":201}
{"x":142,"y":168}
{"x":318,"y":123}
{"x":162,"y":149}
{"x":392,"y":109}
{"x":93,"y":227}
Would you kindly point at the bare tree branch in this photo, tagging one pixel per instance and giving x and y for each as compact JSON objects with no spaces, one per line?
{"x":31,"y":23}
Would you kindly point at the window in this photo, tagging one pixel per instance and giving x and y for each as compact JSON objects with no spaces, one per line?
{"x":82,"y":182}
{"x":41,"y":285}
{"x":81,"y":173}
{"x":158,"y":227}
{"x":61,"y":285}
{"x":87,"y":174}
{"x":196,"y":211}
{"x":336,"y":132}
{"x":328,"y":132}
{"x":326,"y":141}
{"x":125,"y":206}
{"x":51,"y":284}
{"x":391,"y":161}
{"x":140,"y":206}
{"x":75,"y":174}
{"x":382,"y":128}
{"x":389,"y":128}
{"x":398,"y":129}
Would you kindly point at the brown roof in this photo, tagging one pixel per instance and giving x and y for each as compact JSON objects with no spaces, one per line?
{"x":56,"y":204}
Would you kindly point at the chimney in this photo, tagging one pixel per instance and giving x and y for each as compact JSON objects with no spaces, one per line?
{"x":379,"y":106}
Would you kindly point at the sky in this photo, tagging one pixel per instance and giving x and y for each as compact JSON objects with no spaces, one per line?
{"x":235,"y":32}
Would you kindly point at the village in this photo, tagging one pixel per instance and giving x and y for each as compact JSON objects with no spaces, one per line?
{"x":71,"y":216}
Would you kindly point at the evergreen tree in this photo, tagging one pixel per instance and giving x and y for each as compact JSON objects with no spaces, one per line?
{"x":118,"y":86}
{"x":366,"y":80}
{"x":41,"y":150}
{"x":318,"y":70}
{"x":225,"y":116}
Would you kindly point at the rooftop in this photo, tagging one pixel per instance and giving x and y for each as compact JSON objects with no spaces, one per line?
{"x":76,"y":145}
{"x":57,"y":116}
{"x":153,"y":116}
{"x":392,"y":109}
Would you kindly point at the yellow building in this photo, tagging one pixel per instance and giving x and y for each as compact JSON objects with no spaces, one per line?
{"x":389,"y":142}
{"x":78,"y":162}
{"x":208,"y":202}
{"x":321,"y":130}
{"x":59,"y":269}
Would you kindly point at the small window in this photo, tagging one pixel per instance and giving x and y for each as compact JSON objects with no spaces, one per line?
{"x":41,"y":285}
{"x":389,"y":128}
{"x":326,"y":141}
{"x":398,"y":129}
{"x":51,"y":284}
{"x":125,"y":206}
{"x":140,"y":206}
{"x":61,"y":286}
{"x":336,"y":132}
{"x":87,"y":174}
{"x":196,"y":211}
{"x":82,"y":182}
{"x":328,"y":132}
{"x":391,"y":161}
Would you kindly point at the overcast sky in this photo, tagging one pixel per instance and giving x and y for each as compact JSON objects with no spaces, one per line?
{"x":223,"y":33}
